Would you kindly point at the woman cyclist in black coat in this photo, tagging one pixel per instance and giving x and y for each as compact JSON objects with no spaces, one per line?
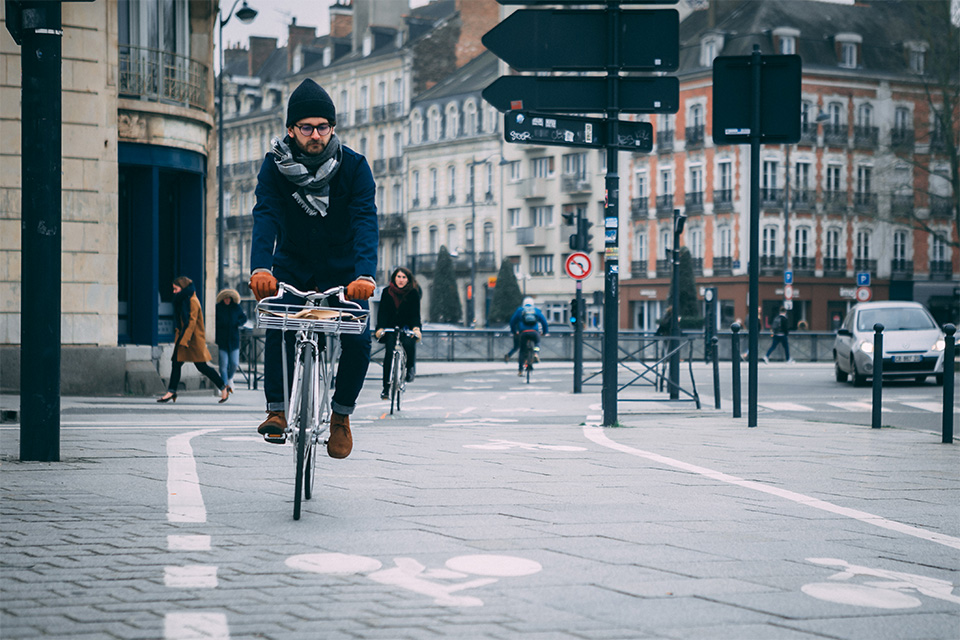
{"x":399,"y":307}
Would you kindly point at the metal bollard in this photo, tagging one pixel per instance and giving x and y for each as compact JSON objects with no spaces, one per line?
{"x":877,"y":374}
{"x":715,"y":346}
{"x":949,"y":352}
{"x":735,"y":359}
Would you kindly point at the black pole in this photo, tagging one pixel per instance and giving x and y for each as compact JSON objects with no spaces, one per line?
{"x":41,"y":82}
{"x":949,"y":351}
{"x":877,"y":374}
{"x":754,"y":291}
{"x":714,"y":344}
{"x":735,"y":359}
{"x":221,"y":220}
{"x":612,"y":213}
{"x":675,"y":314}
{"x":578,"y":340}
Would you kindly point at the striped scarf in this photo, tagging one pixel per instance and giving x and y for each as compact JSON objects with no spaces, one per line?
{"x":311,"y":173}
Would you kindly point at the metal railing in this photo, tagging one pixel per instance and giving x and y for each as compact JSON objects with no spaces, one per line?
{"x":162,"y":76}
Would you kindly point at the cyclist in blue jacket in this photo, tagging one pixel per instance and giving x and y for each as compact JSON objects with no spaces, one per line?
{"x":524,"y":324}
{"x":314,"y":227}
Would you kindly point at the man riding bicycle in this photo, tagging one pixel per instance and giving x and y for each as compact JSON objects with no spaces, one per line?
{"x":314,"y":227}
{"x":524,"y":324}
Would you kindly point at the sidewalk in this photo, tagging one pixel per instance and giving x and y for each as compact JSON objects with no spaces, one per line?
{"x":480,"y":511}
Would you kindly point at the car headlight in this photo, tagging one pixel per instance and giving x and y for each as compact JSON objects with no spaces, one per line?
{"x":939,"y":345}
{"x":866,"y":346}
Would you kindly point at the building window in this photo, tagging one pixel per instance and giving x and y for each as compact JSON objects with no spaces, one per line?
{"x":769,"y":244}
{"x":848,"y":55}
{"x":938,"y":248}
{"x":452,"y":183}
{"x":434,"y":186}
{"x":900,"y":245}
{"x":453,"y":240}
{"x":541,"y":265}
{"x":666,"y":239}
{"x":769,"y":175}
{"x":488,"y":237}
{"x":833,"y":178}
{"x":696,"y":115}
{"x":640,"y":180}
{"x":541,"y":216}
{"x":416,"y":127}
{"x":666,"y":182}
{"x":415,"y":241}
{"x":696,"y":179}
{"x":725,"y":241}
{"x":397,"y":197}
{"x":415,"y":179}
{"x":863,"y":245}
{"x":513,"y":171}
{"x":801,"y":240}
{"x":640,"y":243}
{"x":902,"y":120}
{"x":726,"y":175}
{"x":835,"y":111}
{"x":832,"y":248}
{"x":865,"y":115}
{"x":802,"y":173}
{"x":433,"y":131}
{"x":575,"y":164}
{"x":788,"y":45}
{"x":470,"y":119}
{"x":541,"y":167}
{"x":864,"y":173}
{"x":513,"y":215}
{"x":434,"y":240}
{"x":696,"y":243}
{"x":453,"y":121}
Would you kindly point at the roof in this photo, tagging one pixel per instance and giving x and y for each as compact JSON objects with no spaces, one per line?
{"x":470,"y":78}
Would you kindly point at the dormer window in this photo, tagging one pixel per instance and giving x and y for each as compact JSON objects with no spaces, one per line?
{"x":785,"y":40}
{"x":367,"y":44}
{"x":916,"y":56}
{"x":327,"y":56}
{"x":710,"y":47}
{"x":848,"y":49}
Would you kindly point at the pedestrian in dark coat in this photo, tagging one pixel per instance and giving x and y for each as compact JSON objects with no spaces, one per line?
{"x":190,"y":340}
{"x":230,"y":317}
{"x":399,"y":309}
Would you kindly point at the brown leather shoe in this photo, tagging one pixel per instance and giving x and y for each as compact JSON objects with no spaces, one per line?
{"x":340,"y":443}
{"x":272,"y":429}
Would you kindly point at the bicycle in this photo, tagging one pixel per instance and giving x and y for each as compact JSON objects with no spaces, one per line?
{"x":528,"y":353}
{"x":398,"y":368}
{"x":307,"y":404}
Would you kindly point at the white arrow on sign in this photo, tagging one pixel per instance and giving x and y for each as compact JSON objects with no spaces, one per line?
{"x":578,"y":265}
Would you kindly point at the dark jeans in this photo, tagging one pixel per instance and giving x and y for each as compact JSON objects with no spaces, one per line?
{"x":409,"y":344}
{"x":202,"y":367}
{"x":531,"y":336}
{"x":351,"y":370}
{"x":778,"y":339}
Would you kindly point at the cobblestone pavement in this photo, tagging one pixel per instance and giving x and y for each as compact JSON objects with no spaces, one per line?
{"x":482,"y":510}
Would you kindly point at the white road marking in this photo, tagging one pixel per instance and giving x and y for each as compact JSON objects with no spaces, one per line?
{"x":522,"y":410}
{"x":337,"y":564}
{"x":191,"y":576}
{"x":467,"y":410}
{"x":501,"y":445}
{"x":491,"y":565}
{"x":853,"y":405}
{"x":784,"y":406}
{"x":595,"y":434}
{"x":196,"y":626}
{"x":473,"y":388}
{"x":184,"y":500}
{"x":188,"y":543}
{"x":876,"y":593}
{"x":242,"y":439}
{"x":932,"y":407}
{"x":860,"y":595}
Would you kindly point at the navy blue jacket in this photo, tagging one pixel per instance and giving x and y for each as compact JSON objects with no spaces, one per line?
{"x":312,"y":250}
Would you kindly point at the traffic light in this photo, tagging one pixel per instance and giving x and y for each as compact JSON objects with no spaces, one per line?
{"x":573,"y":219}
{"x":583,"y":231}
{"x":574,"y":313}
{"x":570,"y":218}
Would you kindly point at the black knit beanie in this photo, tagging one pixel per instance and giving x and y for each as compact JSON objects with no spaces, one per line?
{"x":309,"y":100}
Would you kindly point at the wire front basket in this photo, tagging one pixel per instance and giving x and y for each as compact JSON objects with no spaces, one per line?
{"x":312,"y":316}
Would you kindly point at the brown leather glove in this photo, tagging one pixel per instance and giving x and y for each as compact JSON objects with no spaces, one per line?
{"x":263,"y":284}
{"x":360,"y":289}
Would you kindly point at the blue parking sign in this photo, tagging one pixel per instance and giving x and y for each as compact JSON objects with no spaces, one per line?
{"x":863,"y":279}
{"x":788,"y":277}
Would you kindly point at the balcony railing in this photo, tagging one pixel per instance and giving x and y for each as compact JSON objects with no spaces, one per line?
{"x":664,"y":206}
{"x":697,"y":266}
{"x":395,"y":110}
{"x":532,"y":188}
{"x":864,"y":202}
{"x":802,"y":199}
{"x":531,"y":236}
{"x":638,"y":268}
{"x":638,"y":208}
{"x":723,"y":199}
{"x":695,"y":136}
{"x":415,"y":203}
{"x":901,"y":268}
{"x":162,"y":76}
{"x":941,"y":270}
{"x":379,"y":113}
{"x":835,"y":201}
{"x":865,"y":137}
{"x":771,"y":265}
{"x":834,"y":266}
{"x":392,"y":224}
{"x":938,"y":141}
{"x":835,"y":135}
{"x":941,"y":207}
{"x":241,"y":170}
{"x":361,"y":116}
{"x":575,"y":183}
{"x":665,"y":141}
{"x":722,"y":266}
{"x":664,"y":268}
{"x":379,"y":166}
{"x":803,"y":265}
{"x":693,"y":202}
{"x":808,"y":134}
{"x":901,"y":139}
{"x":395,"y":164}
{"x":865,"y":265}
{"x":771,"y":197}
{"x":423,"y":262}
{"x":901,"y":204}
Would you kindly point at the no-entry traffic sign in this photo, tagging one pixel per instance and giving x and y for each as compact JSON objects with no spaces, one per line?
{"x":578,"y":265}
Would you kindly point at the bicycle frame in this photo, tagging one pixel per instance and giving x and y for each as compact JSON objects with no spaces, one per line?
{"x":398,"y":368}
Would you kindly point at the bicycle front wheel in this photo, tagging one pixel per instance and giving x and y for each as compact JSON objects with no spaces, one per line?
{"x":304,"y":418}
{"x":395,"y":382}
{"x":322,"y":415}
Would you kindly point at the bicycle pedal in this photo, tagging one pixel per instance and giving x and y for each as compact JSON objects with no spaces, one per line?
{"x":275,"y":438}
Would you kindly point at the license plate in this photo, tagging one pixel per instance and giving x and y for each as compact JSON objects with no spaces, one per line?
{"x":907,"y":358}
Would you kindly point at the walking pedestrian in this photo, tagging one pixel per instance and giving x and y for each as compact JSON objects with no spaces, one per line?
{"x":314,"y":227}
{"x":190,"y":343}
{"x":230,"y":317}
{"x":780,"y":329}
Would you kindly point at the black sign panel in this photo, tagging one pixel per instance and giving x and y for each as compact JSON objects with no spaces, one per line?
{"x":528,"y":127}
{"x":571,"y":94}
{"x":578,"y":40}
{"x":779,"y":99}
{"x":588,"y":2}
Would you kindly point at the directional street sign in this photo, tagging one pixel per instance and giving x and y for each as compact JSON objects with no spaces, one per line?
{"x":577,"y":40}
{"x":570,"y":94}
{"x":574,"y":131}
{"x":779,"y":99}
{"x":581,"y":2}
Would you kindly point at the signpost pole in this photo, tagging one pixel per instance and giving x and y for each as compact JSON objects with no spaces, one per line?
{"x":578,"y":340}
{"x":753,"y":296}
{"x":611,"y":212}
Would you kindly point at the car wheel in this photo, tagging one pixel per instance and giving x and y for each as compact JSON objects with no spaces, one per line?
{"x":840,"y":374}
{"x":858,"y":379}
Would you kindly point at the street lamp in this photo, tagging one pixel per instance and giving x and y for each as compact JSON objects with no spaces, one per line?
{"x":246,"y":15}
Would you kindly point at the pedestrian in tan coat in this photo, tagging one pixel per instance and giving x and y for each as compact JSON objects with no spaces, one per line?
{"x":190,"y":340}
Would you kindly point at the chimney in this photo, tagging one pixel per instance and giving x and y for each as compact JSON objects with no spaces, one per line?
{"x":297,"y":35}
{"x":476,"y":18}
{"x":232,"y":56}
{"x":341,"y":20}
{"x":260,"y":50}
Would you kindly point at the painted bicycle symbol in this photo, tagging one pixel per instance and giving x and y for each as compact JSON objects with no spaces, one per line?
{"x":407,"y":573}
{"x":892,"y":591}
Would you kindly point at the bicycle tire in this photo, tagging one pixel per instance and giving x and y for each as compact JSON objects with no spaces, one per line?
{"x":310,"y":470}
{"x":303,"y":430}
{"x":394,"y":380}
{"x":401,"y":374}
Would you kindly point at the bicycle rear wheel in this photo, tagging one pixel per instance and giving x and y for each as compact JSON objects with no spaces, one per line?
{"x":302,"y":429}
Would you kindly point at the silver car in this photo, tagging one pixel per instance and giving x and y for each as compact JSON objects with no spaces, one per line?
{"x":913,"y":344}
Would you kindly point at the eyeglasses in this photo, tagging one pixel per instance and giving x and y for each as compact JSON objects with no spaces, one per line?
{"x":308,"y":129}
